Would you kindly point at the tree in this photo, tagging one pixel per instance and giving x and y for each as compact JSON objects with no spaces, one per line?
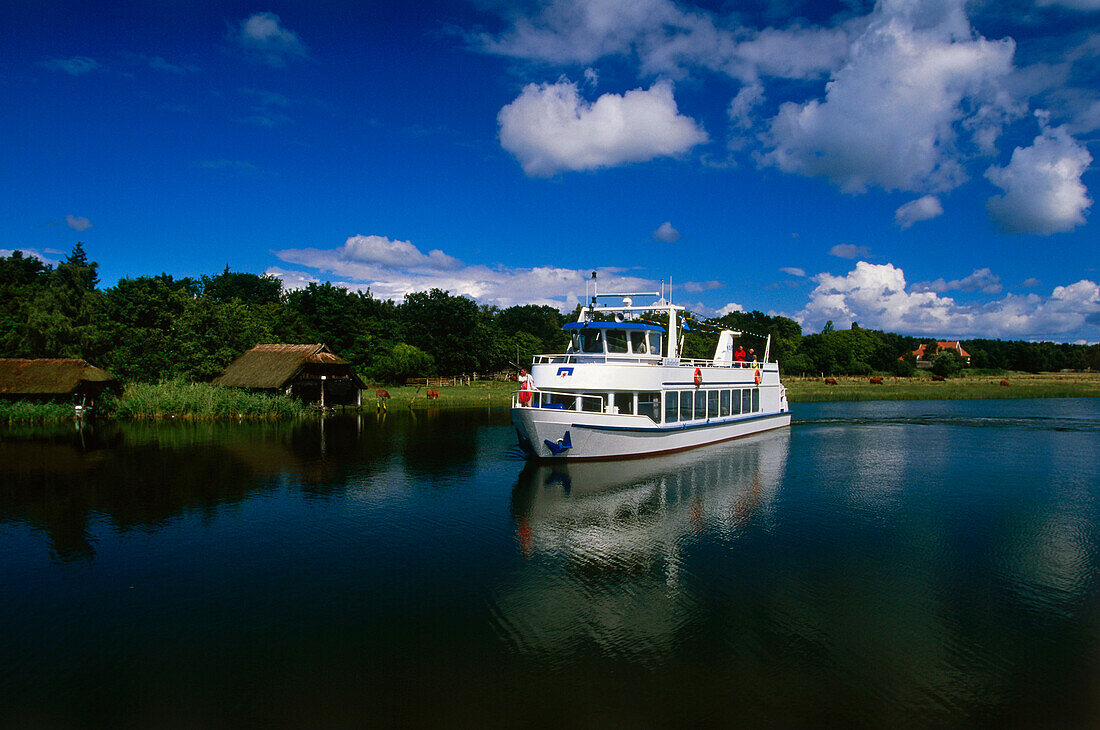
{"x":451,"y":329}
{"x":246,"y":288}
{"x":401,"y":363}
{"x":947,"y":363}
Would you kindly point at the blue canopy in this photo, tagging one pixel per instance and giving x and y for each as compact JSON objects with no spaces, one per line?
{"x":612,"y":326}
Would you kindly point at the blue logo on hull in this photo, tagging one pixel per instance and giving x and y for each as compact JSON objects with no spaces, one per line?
{"x":564,"y":372}
{"x":562,"y":444}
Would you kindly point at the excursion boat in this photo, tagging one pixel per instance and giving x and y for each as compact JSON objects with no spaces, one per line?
{"x":621,"y":389}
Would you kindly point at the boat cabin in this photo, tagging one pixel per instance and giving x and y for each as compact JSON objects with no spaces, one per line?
{"x":632,"y":339}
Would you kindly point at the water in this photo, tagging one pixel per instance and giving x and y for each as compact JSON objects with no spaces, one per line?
{"x":877,"y":564}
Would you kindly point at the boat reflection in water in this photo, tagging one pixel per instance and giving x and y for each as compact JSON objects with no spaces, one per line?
{"x":620,"y":543}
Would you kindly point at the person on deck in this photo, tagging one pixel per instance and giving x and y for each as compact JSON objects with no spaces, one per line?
{"x":740,"y":354}
{"x":752,"y":356}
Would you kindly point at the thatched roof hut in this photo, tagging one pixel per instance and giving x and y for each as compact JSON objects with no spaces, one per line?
{"x":53,"y":379}
{"x":308,"y":372}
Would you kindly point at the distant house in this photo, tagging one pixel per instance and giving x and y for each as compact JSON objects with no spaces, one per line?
{"x":311,"y":373}
{"x":70,"y":380}
{"x":924,"y":361}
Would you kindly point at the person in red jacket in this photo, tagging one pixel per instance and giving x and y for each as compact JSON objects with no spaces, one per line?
{"x":740,"y":354}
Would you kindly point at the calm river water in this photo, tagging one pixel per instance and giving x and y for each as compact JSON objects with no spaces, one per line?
{"x":877,"y":564}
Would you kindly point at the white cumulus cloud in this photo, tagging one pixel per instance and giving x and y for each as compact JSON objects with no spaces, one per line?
{"x":1042,"y":183}
{"x":265,"y":39}
{"x":793,"y":271}
{"x":876,"y":296}
{"x":391,"y":269}
{"x":891,"y":114}
{"x":922,"y":209}
{"x":550,"y":128}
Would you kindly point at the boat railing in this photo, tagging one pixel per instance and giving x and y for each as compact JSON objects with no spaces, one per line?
{"x":571,"y":358}
{"x":698,"y":363}
{"x":536,"y":399}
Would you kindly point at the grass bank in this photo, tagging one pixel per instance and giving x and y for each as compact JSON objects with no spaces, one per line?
{"x":1020,"y":385}
{"x":199,"y":401}
{"x":808,"y":390}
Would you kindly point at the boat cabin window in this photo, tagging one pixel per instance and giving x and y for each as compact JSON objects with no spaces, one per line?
{"x":592,"y":404}
{"x":649,"y":404}
{"x":616,"y":341}
{"x":756,"y":400}
{"x":654,"y":343}
{"x":637,"y":343}
{"x":735,"y":405}
{"x":725,"y":408}
{"x":712,"y":403}
{"x":746,"y":400}
{"x":685,"y":405}
{"x":560,"y":401}
{"x":672,"y":406}
{"x":624,"y":402}
{"x":588,"y":341}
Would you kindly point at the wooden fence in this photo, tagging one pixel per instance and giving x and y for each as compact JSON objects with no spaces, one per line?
{"x":459,"y":379}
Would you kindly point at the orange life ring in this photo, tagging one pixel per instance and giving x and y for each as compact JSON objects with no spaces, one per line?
{"x":525,"y":392}
{"x":698,"y":377}
{"x":757,"y":376}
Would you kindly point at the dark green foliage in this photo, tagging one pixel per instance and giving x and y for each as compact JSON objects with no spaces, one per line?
{"x":538,"y":320}
{"x":401,"y":363}
{"x":154,"y":328}
{"x":905,"y":367}
{"x":231,"y":286}
{"x":947,"y":363}
{"x":460,"y":336}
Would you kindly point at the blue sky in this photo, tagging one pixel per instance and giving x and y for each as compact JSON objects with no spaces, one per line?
{"x":921,"y":166}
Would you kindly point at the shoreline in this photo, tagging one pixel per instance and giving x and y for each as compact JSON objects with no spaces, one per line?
{"x":482,"y":394}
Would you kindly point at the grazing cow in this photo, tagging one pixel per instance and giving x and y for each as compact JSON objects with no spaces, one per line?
{"x":1005,"y":383}
{"x":382,"y":394}
{"x":830,"y":381}
{"x":876,"y":380}
{"x":433,"y":394}
{"x":938,"y":378}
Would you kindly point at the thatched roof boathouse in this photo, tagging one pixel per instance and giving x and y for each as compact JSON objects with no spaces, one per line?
{"x":69,"y":380}
{"x":311,"y":373}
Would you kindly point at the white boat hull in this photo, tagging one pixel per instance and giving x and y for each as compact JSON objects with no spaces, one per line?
{"x":555,"y":434}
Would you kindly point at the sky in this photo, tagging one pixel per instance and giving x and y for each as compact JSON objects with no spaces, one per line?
{"x":927,"y":167}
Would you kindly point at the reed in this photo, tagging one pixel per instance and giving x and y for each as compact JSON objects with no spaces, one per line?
{"x":21,"y":411}
{"x":200,"y":401}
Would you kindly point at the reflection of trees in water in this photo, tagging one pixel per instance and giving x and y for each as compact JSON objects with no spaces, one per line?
{"x":146,"y":475}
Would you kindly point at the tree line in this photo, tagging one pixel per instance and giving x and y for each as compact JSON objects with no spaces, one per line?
{"x":152,"y":328}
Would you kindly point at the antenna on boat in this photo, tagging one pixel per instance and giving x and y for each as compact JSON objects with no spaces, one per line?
{"x":594,"y":295}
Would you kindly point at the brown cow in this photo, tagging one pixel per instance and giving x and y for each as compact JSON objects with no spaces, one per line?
{"x":433,"y":394}
{"x":830,"y":381}
{"x":1005,"y":383}
{"x":382,"y":394}
{"x":938,"y":378}
{"x":876,"y":380}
